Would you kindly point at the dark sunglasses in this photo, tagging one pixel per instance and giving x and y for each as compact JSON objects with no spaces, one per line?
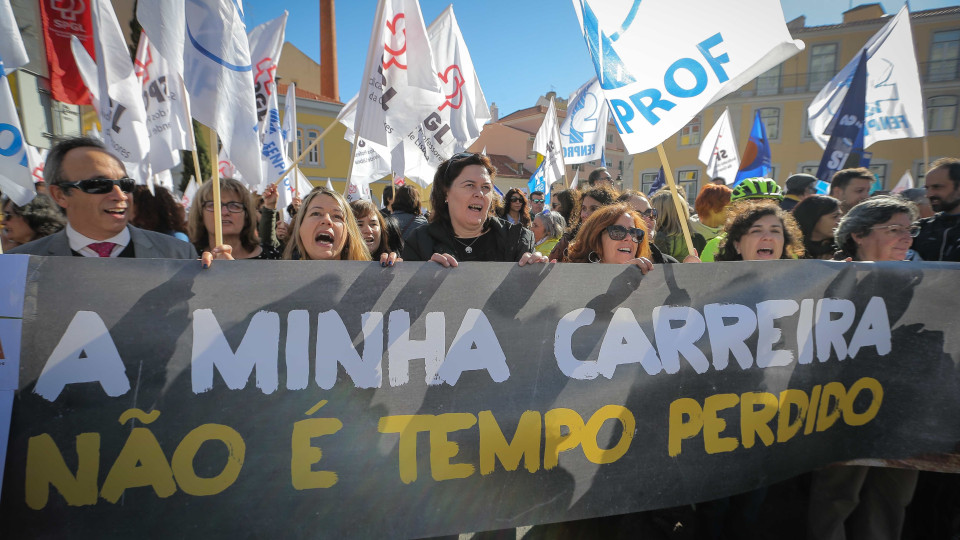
{"x":537,"y":201}
{"x":650,"y":213}
{"x":455,"y":158}
{"x":515,"y":199}
{"x":619,"y":232}
{"x":99,"y":186}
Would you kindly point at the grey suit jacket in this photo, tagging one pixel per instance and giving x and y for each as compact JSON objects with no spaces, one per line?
{"x":146,"y":245}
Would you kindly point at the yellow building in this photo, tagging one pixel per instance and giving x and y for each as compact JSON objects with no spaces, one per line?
{"x":782,"y":95}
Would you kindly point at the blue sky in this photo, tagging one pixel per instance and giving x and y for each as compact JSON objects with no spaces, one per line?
{"x":521,"y":49}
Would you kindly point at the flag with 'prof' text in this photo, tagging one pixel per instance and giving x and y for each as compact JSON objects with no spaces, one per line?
{"x":656,"y":77}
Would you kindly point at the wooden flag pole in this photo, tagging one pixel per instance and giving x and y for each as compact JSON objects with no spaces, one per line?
{"x":215,"y":178}
{"x":193,"y":136}
{"x":676,"y":199}
{"x":306,"y":151}
{"x":926,"y":154}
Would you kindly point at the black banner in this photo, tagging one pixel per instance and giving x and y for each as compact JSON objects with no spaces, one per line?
{"x":345,"y":399}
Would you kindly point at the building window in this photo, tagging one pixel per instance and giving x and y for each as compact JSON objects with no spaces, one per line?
{"x":646,"y":181}
{"x":944,"y":56}
{"x":610,"y":138}
{"x":770,"y":116}
{"x":690,"y":133}
{"x":879,"y":171}
{"x":942,"y":113}
{"x":768,"y":83}
{"x":823,"y":65}
{"x":315,"y":154}
{"x":300,"y":145}
{"x":687,"y":181}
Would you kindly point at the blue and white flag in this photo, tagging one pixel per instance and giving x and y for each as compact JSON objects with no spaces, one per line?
{"x":584,"y":130}
{"x":547,"y":143}
{"x":12,"y":52}
{"x":206,"y":42}
{"x":658,"y":183}
{"x":846,"y":141}
{"x":16,"y":181}
{"x":656,"y":75}
{"x":756,"y":156}
{"x":894,"y":102}
{"x":538,"y":182}
{"x":497,"y":191}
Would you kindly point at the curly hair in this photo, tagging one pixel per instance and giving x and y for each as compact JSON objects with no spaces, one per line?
{"x":354,"y":249}
{"x":603,"y":195}
{"x":744,"y":215}
{"x":446,"y":173}
{"x":157,"y":211}
{"x":590,"y":238}
{"x":568,"y":199}
{"x":524,"y":213}
{"x":197,"y":231}
{"x":41,"y":214}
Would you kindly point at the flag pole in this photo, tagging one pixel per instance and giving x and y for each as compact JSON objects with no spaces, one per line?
{"x":926,"y":153}
{"x":676,"y":198}
{"x":306,"y":151}
{"x":215,"y":178}
{"x":193,"y":136}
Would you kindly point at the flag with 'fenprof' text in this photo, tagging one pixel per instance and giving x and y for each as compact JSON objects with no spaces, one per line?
{"x":583,"y":132}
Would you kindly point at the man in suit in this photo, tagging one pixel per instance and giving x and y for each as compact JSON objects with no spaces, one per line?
{"x":92,"y":187}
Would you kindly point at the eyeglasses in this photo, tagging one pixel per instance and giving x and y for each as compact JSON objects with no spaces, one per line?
{"x":537,"y":201}
{"x":649,"y":213}
{"x":896,"y":230}
{"x":455,"y":158}
{"x":99,"y":186}
{"x":619,"y":232}
{"x":515,"y":199}
{"x":233,"y":207}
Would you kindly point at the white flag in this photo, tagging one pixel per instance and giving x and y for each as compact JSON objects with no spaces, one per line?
{"x":16,"y":180}
{"x":576,"y":179}
{"x":547,"y":143}
{"x":905,"y":183}
{"x":206,"y":42}
{"x":329,"y":184}
{"x":188,"y":194}
{"x":290,"y":121}
{"x":162,"y":179}
{"x":400,"y":86}
{"x":894,"y":108}
{"x":274,"y":156}
{"x":266,"y":43}
{"x":167,"y":121}
{"x":12,"y":52}
{"x":656,"y":78}
{"x":719,"y":150}
{"x":117,"y":95}
{"x":226,"y":167}
{"x":583,"y":132}
{"x":36,"y":160}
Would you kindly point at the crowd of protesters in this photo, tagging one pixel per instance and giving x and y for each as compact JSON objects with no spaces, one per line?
{"x":90,"y":208}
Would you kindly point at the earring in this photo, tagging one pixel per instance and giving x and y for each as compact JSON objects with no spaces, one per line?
{"x":591,"y":256}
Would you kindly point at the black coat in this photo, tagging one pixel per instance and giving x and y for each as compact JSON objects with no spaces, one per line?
{"x":512,"y":241}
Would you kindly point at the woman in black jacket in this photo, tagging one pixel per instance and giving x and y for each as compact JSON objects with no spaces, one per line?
{"x":461,"y":228}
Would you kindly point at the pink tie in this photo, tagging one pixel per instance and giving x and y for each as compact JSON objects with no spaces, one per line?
{"x":103,"y":249}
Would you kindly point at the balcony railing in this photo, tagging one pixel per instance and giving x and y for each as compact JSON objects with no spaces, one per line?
{"x":930,"y":72}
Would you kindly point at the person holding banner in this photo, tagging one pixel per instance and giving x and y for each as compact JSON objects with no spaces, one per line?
{"x":614,"y":234}
{"x":373,"y":229}
{"x":92,"y":187}
{"x":760,"y":231}
{"x":514,"y":209}
{"x":325,"y":230}
{"x":862,"y":501}
{"x":461,"y":227}
{"x":238,"y":215}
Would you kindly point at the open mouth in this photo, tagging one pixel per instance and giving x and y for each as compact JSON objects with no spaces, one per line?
{"x":323,"y":239}
{"x":625,"y":250}
{"x":765,"y":253}
{"x":117,"y":212}
{"x":368,"y":240}
{"x":475,"y":207}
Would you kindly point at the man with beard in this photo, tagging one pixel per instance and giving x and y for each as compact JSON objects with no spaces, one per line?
{"x":939,"y":238}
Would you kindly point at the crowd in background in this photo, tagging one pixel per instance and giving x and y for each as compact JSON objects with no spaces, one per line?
{"x":86,"y":206}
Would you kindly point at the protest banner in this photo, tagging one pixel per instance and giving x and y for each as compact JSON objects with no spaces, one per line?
{"x":355,"y":400}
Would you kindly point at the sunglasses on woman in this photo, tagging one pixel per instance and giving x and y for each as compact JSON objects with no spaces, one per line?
{"x":99,"y":186}
{"x":515,"y":199}
{"x":649,"y":213}
{"x":619,"y":232}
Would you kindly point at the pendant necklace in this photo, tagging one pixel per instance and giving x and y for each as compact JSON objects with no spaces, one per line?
{"x":466,"y":247}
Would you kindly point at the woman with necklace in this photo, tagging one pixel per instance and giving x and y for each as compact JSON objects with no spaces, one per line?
{"x":461,"y":228}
